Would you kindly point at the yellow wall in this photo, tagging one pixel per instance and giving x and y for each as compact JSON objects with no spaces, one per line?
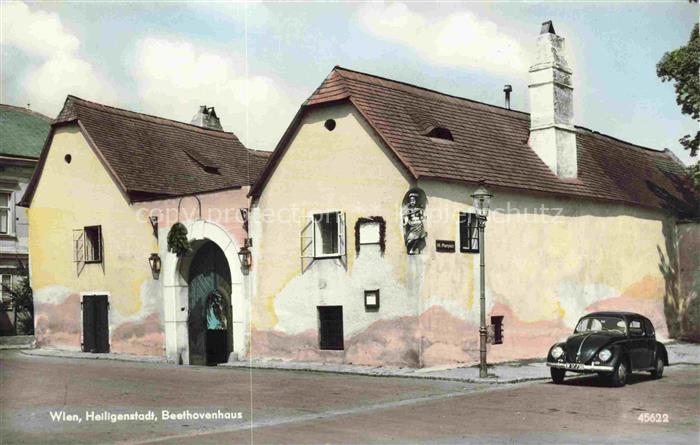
{"x":71,"y":196}
{"x":345,"y":169}
{"x":549,"y":260}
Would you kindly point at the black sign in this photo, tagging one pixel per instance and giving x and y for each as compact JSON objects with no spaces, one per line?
{"x":442,"y":245}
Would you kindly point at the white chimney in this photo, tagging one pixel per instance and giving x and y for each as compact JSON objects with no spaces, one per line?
{"x":552,"y":132}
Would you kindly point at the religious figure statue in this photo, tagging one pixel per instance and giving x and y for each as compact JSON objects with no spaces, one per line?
{"x":216,"y":317}
{"x":413,"y":216}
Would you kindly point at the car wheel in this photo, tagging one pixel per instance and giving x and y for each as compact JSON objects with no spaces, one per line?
{"x":618,"y":377}
{"x":658,"y":372}
{"x":557,"y":375}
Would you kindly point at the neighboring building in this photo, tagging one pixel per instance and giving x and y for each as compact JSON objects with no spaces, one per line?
{"x":364,"y":229}
{"x":109,"y":185}
{"x":22,"y":136}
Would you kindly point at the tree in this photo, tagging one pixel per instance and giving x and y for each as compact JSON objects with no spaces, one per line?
{"x":682,"y":66}
{"x":22,"y":299}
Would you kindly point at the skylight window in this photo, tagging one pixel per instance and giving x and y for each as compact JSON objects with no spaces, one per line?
{"x":429,"y":126}
{"x":207,"y":164}
{"x":440,"y":133}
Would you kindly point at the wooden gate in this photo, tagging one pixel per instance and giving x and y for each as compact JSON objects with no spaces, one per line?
{"x":95,"y":323}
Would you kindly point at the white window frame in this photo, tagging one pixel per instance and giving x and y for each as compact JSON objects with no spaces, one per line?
{"x":470,"y":249}
{"x":10,"y":212}
{"x":341,"y":238}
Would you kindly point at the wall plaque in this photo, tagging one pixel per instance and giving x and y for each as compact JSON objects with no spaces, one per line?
{"x":442,"y":245}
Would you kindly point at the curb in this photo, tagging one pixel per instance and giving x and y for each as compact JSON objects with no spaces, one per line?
{"x":490,"y":381}
{"x":7,"y":347}
{"x":88,"y":356}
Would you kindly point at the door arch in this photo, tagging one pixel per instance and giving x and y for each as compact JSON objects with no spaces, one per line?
{"x":210,"y":335}
{"x":175,"y":288}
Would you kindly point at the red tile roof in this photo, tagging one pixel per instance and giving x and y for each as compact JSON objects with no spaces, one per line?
{"x":491,"y":142}
{"x":151,"y":157}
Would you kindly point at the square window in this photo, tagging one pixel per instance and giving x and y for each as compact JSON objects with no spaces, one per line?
{"x":93,"y":244}
{"x":330,"y":330}
{"x":468,"y":232}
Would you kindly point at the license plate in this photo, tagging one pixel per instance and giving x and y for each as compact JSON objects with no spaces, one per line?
{"x":573,"y":365}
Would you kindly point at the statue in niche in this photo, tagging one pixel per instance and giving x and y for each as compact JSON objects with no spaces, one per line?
{"x":413,"y":220}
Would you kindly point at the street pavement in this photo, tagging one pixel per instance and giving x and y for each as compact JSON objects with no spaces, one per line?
{"x":281,"y":406}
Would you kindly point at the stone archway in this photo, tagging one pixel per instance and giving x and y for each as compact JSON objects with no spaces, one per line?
{"x":175,"y":275}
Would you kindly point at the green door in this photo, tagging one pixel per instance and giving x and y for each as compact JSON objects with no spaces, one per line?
{"x":209,"y":273}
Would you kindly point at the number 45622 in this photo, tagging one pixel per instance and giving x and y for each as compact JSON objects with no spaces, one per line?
{"x":653,"y":418}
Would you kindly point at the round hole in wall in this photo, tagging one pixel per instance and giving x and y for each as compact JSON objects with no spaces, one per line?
{"x":68,"y":158}
{"x":330,"y":124}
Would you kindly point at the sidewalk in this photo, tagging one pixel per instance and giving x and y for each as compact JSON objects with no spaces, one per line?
{"x":510,"y":372}
{"x":17,"y":342}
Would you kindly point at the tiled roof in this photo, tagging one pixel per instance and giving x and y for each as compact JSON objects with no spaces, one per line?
{"x":152,"y":157}
{"x":22,"y":131}
{"x":490,"y":142}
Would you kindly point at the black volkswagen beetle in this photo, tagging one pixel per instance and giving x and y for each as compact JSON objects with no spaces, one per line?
{"x":612,"y":344}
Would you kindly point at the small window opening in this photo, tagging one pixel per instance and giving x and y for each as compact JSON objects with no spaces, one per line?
{"x":441,"y":133}
{"x":204,"y":161}
{"x":93,"y":244}
{"x":330,"y":327}
{"x":68,"y":158}
{"x":327,"y":233}
{"x":468,"y":232}
{"x":330,"y":124}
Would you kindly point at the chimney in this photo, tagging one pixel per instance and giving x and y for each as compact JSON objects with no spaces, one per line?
{"x":206,"y":117}
{"x":507,"y":89}
{"x":552,"y":132}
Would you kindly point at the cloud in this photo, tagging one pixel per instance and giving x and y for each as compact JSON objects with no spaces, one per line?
{"x":174,"y":77}
{"x":460,"y":39}
{"x":56,"y":69}
{"x":38,"y":33}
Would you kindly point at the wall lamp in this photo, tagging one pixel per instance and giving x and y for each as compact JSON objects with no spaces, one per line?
{"x":154,"y":262}
{"x":246,"y":257}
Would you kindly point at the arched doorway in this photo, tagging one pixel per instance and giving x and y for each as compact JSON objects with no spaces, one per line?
{"x":209,"y":326}
{"x":175,"y":287}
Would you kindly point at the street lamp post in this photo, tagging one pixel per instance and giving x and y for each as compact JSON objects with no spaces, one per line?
{"x":482,"y":203}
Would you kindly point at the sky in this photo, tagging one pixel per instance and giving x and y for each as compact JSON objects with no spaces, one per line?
{"x":257,"y":62}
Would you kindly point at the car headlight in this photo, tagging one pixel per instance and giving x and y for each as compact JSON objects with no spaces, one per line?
{"x":604,"y":355}
{"x":557,"y":352}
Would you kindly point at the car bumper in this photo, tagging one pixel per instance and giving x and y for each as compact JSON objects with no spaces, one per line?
{"x":579,"y":367}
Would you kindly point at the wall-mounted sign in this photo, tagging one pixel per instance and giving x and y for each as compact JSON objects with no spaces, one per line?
{"x":372,"y":300}
{"x":442,"y":245}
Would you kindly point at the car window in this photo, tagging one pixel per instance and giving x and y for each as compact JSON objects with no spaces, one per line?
{"x":593,"y":324}
{"x":636,"y":328}
{"x":648,"y":328}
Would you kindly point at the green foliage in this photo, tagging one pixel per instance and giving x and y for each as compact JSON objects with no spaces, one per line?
{"x":694,"y":173}
{"x":681,"y":66}
{"x":22,"y":298}
{"x":177,"y":239}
